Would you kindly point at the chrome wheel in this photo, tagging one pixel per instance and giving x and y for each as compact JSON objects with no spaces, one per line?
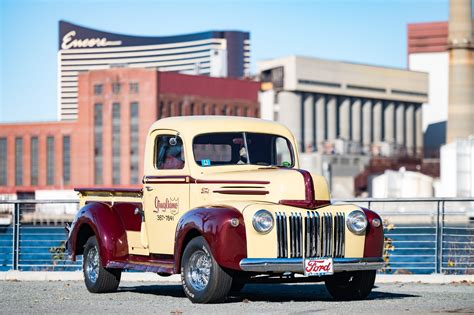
{"x":203,"y":280}
{"x":199,"y":270}
{"x":92,"y":264}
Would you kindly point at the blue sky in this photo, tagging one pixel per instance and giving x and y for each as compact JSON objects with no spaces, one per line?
{"x":365,"y":31}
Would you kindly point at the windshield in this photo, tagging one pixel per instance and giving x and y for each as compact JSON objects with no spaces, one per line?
{"x":235,"y":148}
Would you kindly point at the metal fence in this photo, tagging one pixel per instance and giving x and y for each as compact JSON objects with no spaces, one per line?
{"x":32,"y":235}
{"x":426,"y":235}
{"x":423,"y":236}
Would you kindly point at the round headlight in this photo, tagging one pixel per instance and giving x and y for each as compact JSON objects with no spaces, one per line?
{"x":356,"y":222}
{"x":262,"y":221}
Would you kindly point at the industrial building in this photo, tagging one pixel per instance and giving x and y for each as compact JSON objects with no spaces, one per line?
{"x":429,"y":51}
{"x":457,"y":169}
{"x":105,"y":146}
{"x":457,"y":155}
{"x":345,"y":108}
{"x":212,"y":53}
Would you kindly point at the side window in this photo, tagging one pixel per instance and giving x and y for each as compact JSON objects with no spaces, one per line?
{"x":169,"y":153}
{"x":283,"y":152}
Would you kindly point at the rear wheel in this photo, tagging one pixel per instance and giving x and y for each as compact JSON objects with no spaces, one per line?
{"x":355,"y":285}
{"x":239,"y":280}
{"x":203,"y":280}
{"x":97,"y":278}
{"x":237,"y":286}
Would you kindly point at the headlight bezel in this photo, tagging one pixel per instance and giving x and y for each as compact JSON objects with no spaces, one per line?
{"x":351,"y":222}
{"x":257,"y":227}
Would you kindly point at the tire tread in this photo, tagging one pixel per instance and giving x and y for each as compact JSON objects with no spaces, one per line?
{"x":219,"y":284}
{"x":341,"y":289}
{"x":108,"y":279}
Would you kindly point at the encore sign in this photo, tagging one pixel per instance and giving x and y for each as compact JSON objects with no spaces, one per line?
{"x":70,"y":42}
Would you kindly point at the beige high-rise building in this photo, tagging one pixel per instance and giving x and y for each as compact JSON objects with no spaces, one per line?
{"x":461,"y":71}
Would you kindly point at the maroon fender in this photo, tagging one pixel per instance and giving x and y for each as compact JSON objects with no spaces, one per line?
{"x":106,"y":224}
{"x":228,"y":244}
{"x":374,"y":238}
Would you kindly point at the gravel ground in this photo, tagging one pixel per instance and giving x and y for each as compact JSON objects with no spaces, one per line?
{"x":143,"y":298}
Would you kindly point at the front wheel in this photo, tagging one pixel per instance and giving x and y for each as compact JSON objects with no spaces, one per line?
{"x":203,"y":280}
{"x":355,"y":285}
{"x":97,"y":278}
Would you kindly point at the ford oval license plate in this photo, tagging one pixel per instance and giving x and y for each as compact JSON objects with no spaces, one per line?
{"x":318,"y":267}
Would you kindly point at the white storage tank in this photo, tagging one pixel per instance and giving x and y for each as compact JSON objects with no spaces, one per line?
{"x":401,"y":184}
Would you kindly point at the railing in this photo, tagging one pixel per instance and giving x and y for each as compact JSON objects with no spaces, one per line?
{"x":423,"y":235}
{"x":426,"y":235}
{"x":34,"y":236}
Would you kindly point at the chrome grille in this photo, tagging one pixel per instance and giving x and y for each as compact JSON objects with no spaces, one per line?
{"x":315,"y":235}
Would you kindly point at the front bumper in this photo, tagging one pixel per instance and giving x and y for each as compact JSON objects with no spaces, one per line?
{"x":281,"y":265}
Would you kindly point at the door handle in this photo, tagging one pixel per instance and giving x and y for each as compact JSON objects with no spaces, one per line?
{"x":148,"y":188}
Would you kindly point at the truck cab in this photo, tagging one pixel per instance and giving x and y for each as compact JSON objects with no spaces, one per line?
{"x":225,"y":203}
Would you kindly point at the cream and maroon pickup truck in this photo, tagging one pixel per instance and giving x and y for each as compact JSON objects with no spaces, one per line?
{"x":224,"y":203}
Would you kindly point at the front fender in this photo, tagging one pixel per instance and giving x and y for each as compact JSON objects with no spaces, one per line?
{"x":374,"y":237}
{"x":228,"y":244}
{"x":107,"y":227}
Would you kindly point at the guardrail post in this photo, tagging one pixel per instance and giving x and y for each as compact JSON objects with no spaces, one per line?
{"x":13,"y":236}
{"x":441,"y":237}
{"x":437,"y":242}
{"x":16,"y":236}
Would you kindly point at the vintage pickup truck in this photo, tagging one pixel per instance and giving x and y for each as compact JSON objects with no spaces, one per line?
{"x":224,"y":203}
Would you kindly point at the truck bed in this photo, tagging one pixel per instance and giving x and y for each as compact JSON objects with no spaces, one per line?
{"x":109,"y":195}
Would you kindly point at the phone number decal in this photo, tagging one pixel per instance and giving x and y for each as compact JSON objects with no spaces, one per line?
{"x":162,"y":217}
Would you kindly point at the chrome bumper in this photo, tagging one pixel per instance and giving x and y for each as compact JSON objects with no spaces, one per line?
{"x":282,"y":265}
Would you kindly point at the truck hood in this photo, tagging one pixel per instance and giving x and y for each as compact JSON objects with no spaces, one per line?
{"x":294,"y":187}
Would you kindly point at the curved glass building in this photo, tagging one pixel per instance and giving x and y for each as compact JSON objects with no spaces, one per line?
{"x":212,"y":53}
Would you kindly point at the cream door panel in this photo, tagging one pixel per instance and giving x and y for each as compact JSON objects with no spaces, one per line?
{"x":164,"y":206}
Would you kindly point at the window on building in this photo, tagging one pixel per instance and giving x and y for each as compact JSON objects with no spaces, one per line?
{"x":161,"y":110}
{"x":98,"y":89}
{"x":169,"y":152}
{"x":134,"y":143}
{"x":116,"y":87}
{"x":133,"y":87}
{"x":98,"y":143}
{"x":34,"y":147}
{"x":50,"y":160}
{"x":116,"y":143}
{"x":18,"y":161}
{"x":192,"y":109}
{"x":3,"y":162}
{"x":66,"y":160}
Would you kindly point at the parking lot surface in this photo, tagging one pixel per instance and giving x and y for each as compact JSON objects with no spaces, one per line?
{"x":144,"y":298}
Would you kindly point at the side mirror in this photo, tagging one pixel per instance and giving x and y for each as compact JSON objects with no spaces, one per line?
{"x":174,"y":141}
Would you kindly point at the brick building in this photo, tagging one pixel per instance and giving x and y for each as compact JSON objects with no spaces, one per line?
{"x":105,"y":146}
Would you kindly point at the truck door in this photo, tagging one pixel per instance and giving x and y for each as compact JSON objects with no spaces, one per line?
{"x":166,"y":189}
